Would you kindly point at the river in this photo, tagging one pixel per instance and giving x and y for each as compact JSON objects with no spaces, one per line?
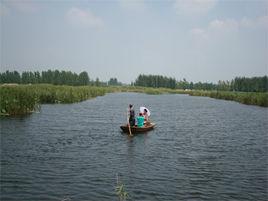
{"x":201,"y":149}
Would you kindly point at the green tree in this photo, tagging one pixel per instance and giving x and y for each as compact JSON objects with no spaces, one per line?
{"x":97,"y":82}
{"x":83,"y":78}
{"x":113,"y":82}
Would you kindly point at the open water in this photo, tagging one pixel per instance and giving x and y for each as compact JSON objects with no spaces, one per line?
{"x":201,"y":149}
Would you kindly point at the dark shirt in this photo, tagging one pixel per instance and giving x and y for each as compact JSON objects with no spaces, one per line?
{"x":132,"y":117}
{"x":132,"y":114}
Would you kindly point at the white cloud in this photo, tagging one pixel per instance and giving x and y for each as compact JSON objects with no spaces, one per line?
{"x":223,"y":26}
{"x":229,"y":27}
{"x":77,"y":16}
{"x":194,"y":7}
{"x":216,"y":29}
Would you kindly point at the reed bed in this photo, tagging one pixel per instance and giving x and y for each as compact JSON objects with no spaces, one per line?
{"x":148,"y":90}
{"x":248,"y":98}
{"x":24,"y":99}
{"x":17,"y":100}
{"x":67,"y":94}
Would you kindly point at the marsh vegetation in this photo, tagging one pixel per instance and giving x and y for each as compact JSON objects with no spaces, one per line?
{"x":24,"y":99}
{"x":23,"y":93}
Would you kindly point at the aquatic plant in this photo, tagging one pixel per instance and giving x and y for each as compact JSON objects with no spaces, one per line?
{"x":120,"y":190}
{"x":249,"y":98}
{"x":24,"y":99}
{"x":17,"y":100}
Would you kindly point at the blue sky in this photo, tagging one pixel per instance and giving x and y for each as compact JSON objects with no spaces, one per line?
{"x":200,"y":40}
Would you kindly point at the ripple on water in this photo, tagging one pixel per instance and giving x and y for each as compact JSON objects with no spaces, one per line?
{"x":201,"y":149}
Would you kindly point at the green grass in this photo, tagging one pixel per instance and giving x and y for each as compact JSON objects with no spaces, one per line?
{"x":17,"y":100}
{"x":24,"y":99}
{"x":249,"y":98}
{"x":121,"y":190}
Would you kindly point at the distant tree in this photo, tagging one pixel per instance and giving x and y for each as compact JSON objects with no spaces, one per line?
{"x":25,"y":77}
{"x":113,"y":82}
{"x":10,"y":77}
{"x":155,"y":81}
{"x":224,"y":85}
{"x":83,"y":78}
{"x":254,"y":84}
{"x":97,"y":82}
{"x":183,"y":84}
{"x":37,"y":77}
{"x":191,"y":85}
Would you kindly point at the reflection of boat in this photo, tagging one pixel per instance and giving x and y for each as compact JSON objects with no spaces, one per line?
{"x":135,"y":129}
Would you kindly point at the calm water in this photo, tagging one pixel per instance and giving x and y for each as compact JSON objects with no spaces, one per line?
{"x":201,"y":149}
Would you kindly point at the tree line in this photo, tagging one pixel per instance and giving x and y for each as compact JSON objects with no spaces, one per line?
{"x":155,"y":81}
{"x":243,"y":84}
{"x":254,"y":84}
{"x":56,"y":77}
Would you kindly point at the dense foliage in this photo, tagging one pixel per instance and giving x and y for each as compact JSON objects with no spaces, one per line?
{"x":155,"y":81}
{"x":56,"y":77}
{"x":248,"y":98}
{"x":17,"y":100}
{"x":49,"y":77}
{"x":254,"y":84}
{"x":242,"y":84}
{"x":114,"y":82}
{"x":26,"y":97}
{"x":184,"y":84}
{"x":23,"y":99}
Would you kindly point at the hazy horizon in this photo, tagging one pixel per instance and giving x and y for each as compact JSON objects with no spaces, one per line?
{"x":205,"y":41}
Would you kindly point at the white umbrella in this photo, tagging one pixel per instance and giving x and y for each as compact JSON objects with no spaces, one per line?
{"x":142,"y":110}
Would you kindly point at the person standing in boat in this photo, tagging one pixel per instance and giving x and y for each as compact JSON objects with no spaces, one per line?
{"x":131,"y":115}
{"x":140,"y":120}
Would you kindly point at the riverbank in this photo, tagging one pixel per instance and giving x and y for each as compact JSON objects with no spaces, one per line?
{"x":24,"y":99}
{"x":248,"y":98}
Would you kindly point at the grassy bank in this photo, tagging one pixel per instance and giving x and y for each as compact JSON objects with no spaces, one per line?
{"x":249,"y":98}
{"x":23,"y":99}
{"x":17,"y":100}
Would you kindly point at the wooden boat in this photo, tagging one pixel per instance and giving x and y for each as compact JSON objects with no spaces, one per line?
{"x":135,"y":129}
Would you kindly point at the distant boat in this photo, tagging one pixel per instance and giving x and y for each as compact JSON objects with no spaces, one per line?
{"x":136,"y":130}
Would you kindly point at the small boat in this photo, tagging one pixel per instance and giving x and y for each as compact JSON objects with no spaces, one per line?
{"x":135,"y":129}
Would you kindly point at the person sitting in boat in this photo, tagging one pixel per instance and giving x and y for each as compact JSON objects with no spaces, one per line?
{"x":140,"y":120}
{"x":131,"y":115}
{"x":146,"y":117}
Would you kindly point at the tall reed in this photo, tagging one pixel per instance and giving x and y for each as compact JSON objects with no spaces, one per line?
{"x":249,"y":98}
{"x":17,"y":100}
{"x":23,"y":99}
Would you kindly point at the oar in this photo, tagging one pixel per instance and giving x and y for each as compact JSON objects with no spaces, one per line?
{"x":129,"y":125}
